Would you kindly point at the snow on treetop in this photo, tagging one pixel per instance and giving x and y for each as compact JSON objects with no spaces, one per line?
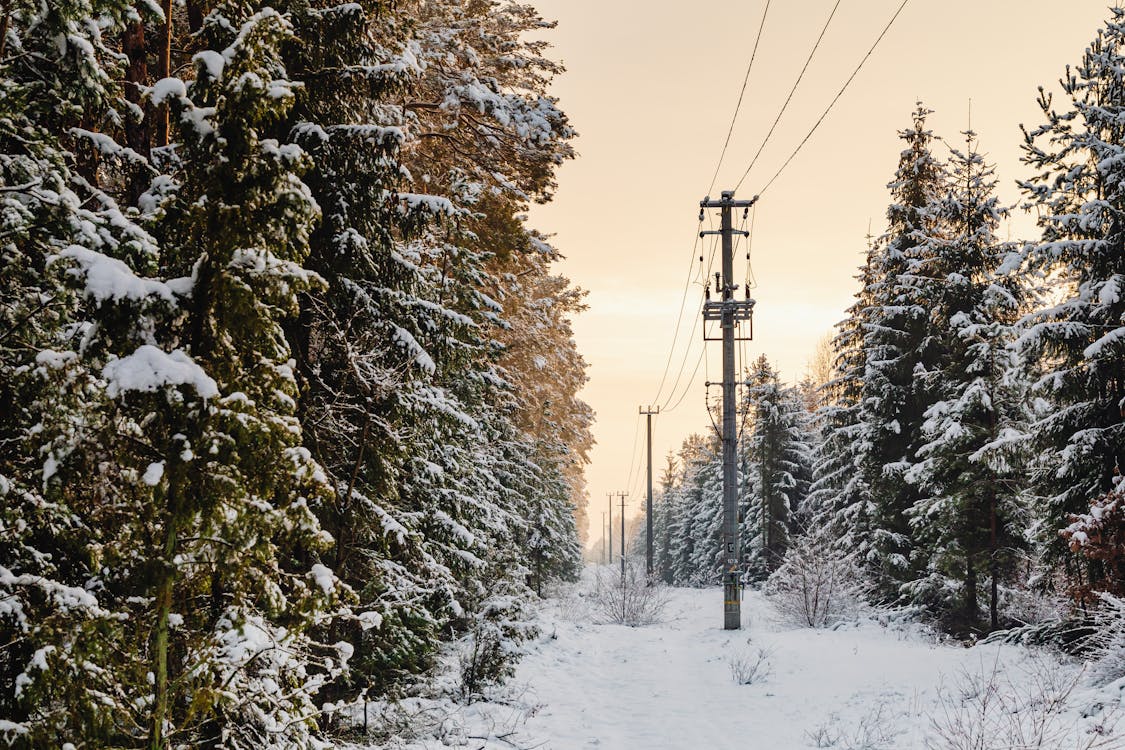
{"x":149,"y":369}
{"x":210,"y":61}
{"x":167,"y":88}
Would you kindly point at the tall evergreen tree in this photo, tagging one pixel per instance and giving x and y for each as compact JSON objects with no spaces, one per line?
{"x":838,"y":494}
{"x":968,"y":522}
{"x":778,"y":458}
{"x":894,"y":344}
{"x":1078,"y":344}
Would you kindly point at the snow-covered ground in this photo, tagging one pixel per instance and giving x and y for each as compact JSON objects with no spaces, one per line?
{"x":671,"y":685}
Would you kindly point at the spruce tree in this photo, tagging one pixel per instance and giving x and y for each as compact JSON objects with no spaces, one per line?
{"x":894,"y":340}
{"x":968,"y":522}
{"x":1077,"y":344}
{"x":777,"y":456}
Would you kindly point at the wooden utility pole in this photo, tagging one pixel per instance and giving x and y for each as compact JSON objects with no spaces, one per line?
{"x":648,"y":499}
{"x":610,"y":496}
{"x":604,"y":559}
{"x":623,"y":495}
{"x":728,"y":312}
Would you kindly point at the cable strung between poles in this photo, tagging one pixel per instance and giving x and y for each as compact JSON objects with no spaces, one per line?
{"x":679,"y":319}
{"x":834,"y":100}
{"x":789,"y":98}
{"x":737,"y":107}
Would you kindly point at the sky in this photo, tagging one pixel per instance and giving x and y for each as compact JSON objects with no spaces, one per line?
{"x":651,"y":87}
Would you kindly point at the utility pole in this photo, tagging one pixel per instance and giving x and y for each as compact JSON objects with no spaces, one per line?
{"x":623,"y":495}
{"x":603,"y":540}
{"x":610,"y":496}
{"x":648,"y":500}
{"x":729,"y":311}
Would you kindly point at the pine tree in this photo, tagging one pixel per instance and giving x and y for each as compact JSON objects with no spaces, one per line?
{"x":894,"y":336}
{"x":777,"y":460}
{"x":64,"y":674}
{"x":968,"y":522}
{"x":839,"y":498}
{"x":1077,"y":344}
{"x":696,"y":454}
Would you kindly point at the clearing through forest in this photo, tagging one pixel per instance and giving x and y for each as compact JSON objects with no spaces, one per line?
{"x":867,"y":686}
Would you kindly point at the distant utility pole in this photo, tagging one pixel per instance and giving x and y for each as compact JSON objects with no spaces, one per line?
{"x":648,"y":500}
{"x":603,"y":539}
{"x":728,"y":311}
{"x":623,"y":495}
{"x":610,"y":496}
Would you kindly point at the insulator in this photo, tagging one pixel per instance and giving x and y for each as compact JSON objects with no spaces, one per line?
{"x":701,"y":214}
{"x":700,"y":258}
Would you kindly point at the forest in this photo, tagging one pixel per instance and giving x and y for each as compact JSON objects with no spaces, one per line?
{"x":291,"y":419}
{"x":288,"y":390}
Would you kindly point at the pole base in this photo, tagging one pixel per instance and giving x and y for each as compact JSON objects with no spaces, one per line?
{"x":732,"y":609}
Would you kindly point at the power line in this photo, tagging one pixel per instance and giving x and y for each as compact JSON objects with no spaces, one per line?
{"x":633,"y":451}
{"x":680,"y":316}
{"x":687,"y":349}
{"x":836,"y":98}
{"x":789,"y":98}
{"x":687,"y":388}
{"x":737,"y":107}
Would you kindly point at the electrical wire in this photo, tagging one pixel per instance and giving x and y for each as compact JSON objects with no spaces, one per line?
{"x":835,"y":99}
{"x":633,"y":451}
{"x":741,"y":94}
{"x":680,"y":315}
{"x":687,"y":389}
{"x":687,"y":349}
{"x":792,"y":91}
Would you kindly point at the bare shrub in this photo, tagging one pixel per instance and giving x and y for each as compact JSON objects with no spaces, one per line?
{"x":816,"y":586}
{"x":877,"y":730}
{"x":632,"y":599}
{"x":992,"y":710}
{"x":751,"y":668}
{"x":1107,"y":644}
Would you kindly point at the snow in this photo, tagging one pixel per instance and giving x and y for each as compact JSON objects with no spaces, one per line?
{"x":109,"y":279}
{"x":149,"y":369}
{"x":369,"y":620}
{"x":670,"y":685}
{"x":167,"y":88}
{"x":153,"y":474}
{"x":414,"y":350}
{"x":210,"y":61}
{"x":323,"y":577}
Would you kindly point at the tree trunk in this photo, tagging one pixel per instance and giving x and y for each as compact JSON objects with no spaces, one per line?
{"x":164,"y":70}
{"x":993,"y":566}
{"x":136,"y":76}
{"x":164,"y":589}
{"x":970,"y":594}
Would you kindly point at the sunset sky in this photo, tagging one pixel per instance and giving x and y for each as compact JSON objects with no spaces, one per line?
{"x":651,"y":86}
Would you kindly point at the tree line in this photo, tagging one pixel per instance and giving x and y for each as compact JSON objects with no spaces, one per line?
{"x":288,"y":391}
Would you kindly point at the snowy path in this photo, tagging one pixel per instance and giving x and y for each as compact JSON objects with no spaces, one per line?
{"x":670,"y":686}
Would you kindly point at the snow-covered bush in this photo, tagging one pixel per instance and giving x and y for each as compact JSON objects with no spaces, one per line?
{"x":1033,"y":708}
{"x":630,"y":599}
{"x":816,"y":586}
{"x":877,"y":730}
{"x":495,"y":643}
{"x":1108,"y":641}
